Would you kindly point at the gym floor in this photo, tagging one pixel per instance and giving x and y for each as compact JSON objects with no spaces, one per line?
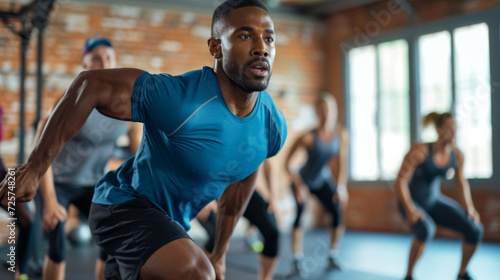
{"x":368,"y":256}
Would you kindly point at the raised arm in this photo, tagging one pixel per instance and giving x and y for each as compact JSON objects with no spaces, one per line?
{"x":463,"y":186}
{"x":109,"y":91}
{"x":413,"y":158}
{"x":231,"y":205}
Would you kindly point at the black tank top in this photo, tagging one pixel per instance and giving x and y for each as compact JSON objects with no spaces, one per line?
{"x":316,"y":170}
{"x":425,"y":185}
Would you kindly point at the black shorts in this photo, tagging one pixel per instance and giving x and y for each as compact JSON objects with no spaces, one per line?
{"x":130,"y":233}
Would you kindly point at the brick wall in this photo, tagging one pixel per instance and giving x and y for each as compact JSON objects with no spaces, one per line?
{"x":158,"y":40}
{"x":374,"y":207}
{"x":170,"y":40}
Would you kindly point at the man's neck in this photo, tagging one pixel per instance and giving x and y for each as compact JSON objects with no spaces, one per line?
{"x":240,"y":102}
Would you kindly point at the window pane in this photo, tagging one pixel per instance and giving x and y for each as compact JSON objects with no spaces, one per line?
{"x":394,"y":106}
{"x":435,"y":77}
{"x":473,"y":99}
{"x":363,"y":102}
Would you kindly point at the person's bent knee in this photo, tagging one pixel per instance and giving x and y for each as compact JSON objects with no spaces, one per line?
{"x":57,"y":249}
{"x":197,"y":268}
{"x":424,"y":232}
{"x":55,"y":256}
{"x":271,"y":243}
{"x":474,"y":235}
{"x":336,"y":222}
{"x":200,"y":269}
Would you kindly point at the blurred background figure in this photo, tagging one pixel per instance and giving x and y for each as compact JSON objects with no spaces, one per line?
{"x":326,"y":147}
{"x":424,"y":206}
{"x":81,"y":163}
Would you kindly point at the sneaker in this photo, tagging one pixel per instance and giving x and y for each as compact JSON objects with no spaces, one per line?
{"x":465,"y":276}
{"x":333,"y":263}
{"x":296,"y":272}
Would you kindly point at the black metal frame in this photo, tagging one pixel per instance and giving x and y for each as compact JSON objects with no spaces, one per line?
{"x":36,"y":14}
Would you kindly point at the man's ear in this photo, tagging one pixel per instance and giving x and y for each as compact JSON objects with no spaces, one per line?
{"x":215,"y":48}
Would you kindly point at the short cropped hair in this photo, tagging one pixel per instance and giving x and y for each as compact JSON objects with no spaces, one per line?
{"x":222,"y":12}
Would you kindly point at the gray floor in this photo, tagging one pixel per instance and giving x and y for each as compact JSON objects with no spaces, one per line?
{"x":368,"y":256}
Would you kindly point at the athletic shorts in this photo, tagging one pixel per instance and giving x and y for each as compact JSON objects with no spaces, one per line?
{"x":130,"y":233}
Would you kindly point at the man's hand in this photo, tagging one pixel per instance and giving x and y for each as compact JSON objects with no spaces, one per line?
{"x":52,"y":215}
{"x":219,"y":265}
{"x":21,"y":182}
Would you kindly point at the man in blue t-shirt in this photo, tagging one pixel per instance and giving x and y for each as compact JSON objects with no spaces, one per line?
{"x":205,"y":134}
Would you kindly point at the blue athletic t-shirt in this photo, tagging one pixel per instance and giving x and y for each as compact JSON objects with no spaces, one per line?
{"x":193,"y":146}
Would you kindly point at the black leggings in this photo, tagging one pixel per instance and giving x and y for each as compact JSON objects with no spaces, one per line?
{"x":82,"y":199}
{"x":257,"y":214}
{"x":447,"y":213}
{"x":325,"y":195}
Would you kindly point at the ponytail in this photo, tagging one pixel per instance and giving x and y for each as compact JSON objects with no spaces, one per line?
{"x":436,"y":119}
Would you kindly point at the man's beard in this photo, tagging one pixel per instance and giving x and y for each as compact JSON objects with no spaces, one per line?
{"x":237,"y":75}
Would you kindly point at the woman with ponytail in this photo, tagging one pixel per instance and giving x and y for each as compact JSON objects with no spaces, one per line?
{"x":420,"y":198}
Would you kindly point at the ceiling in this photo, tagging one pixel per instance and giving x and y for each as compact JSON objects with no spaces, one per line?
{"x":307,"y":7}
{"x":318,"y":7}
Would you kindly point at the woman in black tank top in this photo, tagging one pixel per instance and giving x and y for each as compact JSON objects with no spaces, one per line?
{"x":420,"y":198}
{"x":324,"y":175}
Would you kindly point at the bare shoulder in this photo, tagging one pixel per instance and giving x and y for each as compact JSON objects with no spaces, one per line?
{"x":307,"y":139}
{"x":418,"y":152}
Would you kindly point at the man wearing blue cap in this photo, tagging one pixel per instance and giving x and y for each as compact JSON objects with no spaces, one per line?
{"x":81,"y":163}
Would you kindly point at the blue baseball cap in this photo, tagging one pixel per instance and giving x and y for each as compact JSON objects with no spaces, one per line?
{"x":94,"y":42}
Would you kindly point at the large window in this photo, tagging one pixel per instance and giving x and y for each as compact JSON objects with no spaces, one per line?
{"x":452,"y":75}
{"x":435,"y":77}
{"x":378,"y":112}
{"x":473,"y":99}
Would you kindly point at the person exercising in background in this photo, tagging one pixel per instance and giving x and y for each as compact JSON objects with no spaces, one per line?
{"x":206,"y":132}
{"x":80,"y":164}
{"x":260,"y":213}
{"x":326,"y":148}
{"x":421,"y":201}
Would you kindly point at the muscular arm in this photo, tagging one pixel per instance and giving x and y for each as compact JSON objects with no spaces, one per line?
{"x":109,"y":91}
{"x":231,"y":205}
{"x":47,"y":181}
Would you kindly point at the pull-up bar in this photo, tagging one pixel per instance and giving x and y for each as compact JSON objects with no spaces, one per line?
{"x":39,"y":10}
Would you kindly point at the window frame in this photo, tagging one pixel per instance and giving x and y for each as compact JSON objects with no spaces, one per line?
{"x":411,"y":34}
